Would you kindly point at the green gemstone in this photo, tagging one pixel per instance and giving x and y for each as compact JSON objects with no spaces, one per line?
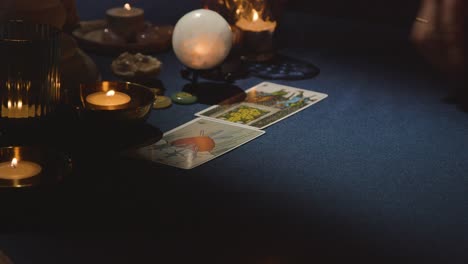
{"x":183,"y":98}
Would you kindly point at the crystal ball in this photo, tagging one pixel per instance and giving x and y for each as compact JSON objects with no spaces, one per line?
{"x":202,"y":39}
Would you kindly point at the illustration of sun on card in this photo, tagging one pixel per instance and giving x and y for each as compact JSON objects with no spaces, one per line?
{"x":197,"y":142}
{"x":264,"y":105}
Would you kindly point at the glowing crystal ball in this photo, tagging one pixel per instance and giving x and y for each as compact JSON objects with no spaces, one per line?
{"x":202,"y":39}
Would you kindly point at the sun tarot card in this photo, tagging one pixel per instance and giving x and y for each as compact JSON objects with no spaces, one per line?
{"x":197,"y":142}
{"x":263,"y":105}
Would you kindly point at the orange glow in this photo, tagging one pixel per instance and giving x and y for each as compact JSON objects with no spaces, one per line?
{"x":14,"y":163}
{"x":202,"y":143}
{"x":254,"y":15}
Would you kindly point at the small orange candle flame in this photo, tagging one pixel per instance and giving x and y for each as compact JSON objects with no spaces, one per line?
{"x":254,"y":15}
{"x":110,"y":93}
{"x":127,"y":6}
{"x":14,"y":163}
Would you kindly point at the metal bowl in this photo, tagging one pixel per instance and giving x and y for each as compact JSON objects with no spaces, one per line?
{"x":136,"y":110}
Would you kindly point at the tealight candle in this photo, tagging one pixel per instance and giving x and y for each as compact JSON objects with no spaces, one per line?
{"x":126,"y":21}
{"x":17,"y":170}
{"x":109,"y":98}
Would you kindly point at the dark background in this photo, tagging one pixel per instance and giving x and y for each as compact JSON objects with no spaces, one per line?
{"x":376,"y":173}
{"x":392,"y":12}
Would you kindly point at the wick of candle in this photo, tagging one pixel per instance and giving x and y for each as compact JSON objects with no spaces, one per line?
{"x":14,"y":163}
{"x":127,"y":6}
{"x":110,"y":93}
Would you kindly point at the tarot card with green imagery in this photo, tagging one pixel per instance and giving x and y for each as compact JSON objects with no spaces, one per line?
{"x":197,"y":142}
{"x":245,"y":113}
{"x":264,"y":105}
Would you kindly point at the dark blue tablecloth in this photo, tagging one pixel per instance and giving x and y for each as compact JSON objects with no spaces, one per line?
{"x":377,"y":172}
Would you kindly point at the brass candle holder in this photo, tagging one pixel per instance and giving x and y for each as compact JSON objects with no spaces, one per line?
{"x":30,"y":166}
{"x":115,"y":103}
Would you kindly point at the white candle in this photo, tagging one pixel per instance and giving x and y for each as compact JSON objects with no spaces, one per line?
{"x":126,"y":21}
{"x":256,"y":24}
{"x":110,"y":98}
{"x":125,"y":11}
{"x":17,"y":170}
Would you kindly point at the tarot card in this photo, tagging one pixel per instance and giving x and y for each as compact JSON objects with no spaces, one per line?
{"x":197,"y":142}
{"x":263,"y":105}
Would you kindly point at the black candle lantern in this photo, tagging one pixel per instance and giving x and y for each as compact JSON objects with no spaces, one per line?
{"x":29,"y":74}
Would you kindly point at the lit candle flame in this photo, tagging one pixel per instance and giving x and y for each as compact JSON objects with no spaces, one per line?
{"x":127,"y":6}
{"x":20,"y":104}
{"x":9,"y":104}
{"x":14,"y":163}
{"x":254,"y":15}
{"x":110,"y":93}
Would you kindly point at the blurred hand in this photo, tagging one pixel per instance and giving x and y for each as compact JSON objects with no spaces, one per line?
{"x":440,"y":32}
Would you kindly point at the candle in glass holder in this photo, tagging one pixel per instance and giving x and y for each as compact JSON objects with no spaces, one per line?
{"x":256,"y":24}
{"x":109,"y":98}
{"x":17,"y":170}
{"x":257,"y":37}
{"x":126,"y":21}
